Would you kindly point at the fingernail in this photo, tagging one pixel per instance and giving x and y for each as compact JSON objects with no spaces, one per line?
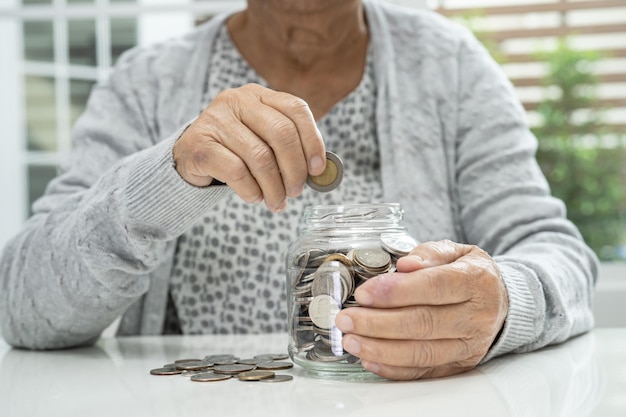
{"x":344,"y":323}
{"x":352,"y":345}
{"x":371,"y":366}
{"x":296,"y":190}
{"x":317,"y":163}
{"x":363,"y":297}
{"x":282,"y":206}
{"x":417,"y":258}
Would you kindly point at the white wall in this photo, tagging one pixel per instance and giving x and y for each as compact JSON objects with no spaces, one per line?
{"x":610,"y":299}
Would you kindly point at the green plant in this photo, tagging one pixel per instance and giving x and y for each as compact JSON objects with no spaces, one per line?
{"x":587,"y":175}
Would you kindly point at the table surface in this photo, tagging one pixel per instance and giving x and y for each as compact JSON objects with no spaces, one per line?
{"x":583,"y":377}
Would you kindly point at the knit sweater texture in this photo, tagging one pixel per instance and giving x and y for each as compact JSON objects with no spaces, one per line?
{"x":455,"y":151}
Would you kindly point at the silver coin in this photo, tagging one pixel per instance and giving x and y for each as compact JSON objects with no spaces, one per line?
{"x":264,"y":357}
{"x":307,"y":278}
{"x":302,"y":259}
{"x":165,"y":371}
{"x":231,"y":361}
{"x":278,"y":378}
{"x":220,"y":357}
{"x":210,"y":377}
{"x":372,"y":258}
{"x":350,"y":303}
{"x":300,"y":263}
{"x":331,"y":177}
{"x":250,"y":361}
{"x":327,"y":279}
{"x":274,"y":366}
{"x":302,"y":291}
{"x":315,"y":261}
{"x":232,"y":369}
{"x":323,"y":310}
{"x":329,"y":353}
{"x":305,"y":347}
{"x":277,"y":356}
{"x":398,"y":244}
{"x":303,"y":300}
{"x":192,"y":373}
{"x":193,"y":366}
{"x":323,"y":332}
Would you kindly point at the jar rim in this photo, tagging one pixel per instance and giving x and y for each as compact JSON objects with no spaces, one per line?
{"x":397,"y":206}
{"x":355,"y":212}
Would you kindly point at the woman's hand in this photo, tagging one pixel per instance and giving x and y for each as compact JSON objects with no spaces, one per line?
{"x":437,"y":316}
{"x":260,"y":142}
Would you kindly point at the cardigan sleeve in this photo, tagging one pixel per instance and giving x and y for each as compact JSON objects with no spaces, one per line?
{"x":506,"y":208}
{"x":103,"y":223}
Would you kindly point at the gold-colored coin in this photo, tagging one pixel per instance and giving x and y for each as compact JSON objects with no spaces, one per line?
{"x":278,"y":378}
{"x":331,"y":177}
{"x":255,"y":375}
{"x":328,"y":176}
{"x":339,"y":257}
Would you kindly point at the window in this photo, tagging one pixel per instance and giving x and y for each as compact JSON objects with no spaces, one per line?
{"x":567,"y":62}
{"x":55,"y":51}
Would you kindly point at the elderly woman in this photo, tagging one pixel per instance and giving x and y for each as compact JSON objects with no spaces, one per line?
{"x":186,"y":181}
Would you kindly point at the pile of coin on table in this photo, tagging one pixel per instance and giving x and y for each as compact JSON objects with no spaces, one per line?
{"x":223,"y":367}
{"x":325,"y":282}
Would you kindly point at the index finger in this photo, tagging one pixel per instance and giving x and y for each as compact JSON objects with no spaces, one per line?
{"x":429,"y":254}
{"x":440,"y":285}
{"x":298,"y":111}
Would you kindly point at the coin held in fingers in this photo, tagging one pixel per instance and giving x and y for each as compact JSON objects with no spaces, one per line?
{"x":331,"y":177}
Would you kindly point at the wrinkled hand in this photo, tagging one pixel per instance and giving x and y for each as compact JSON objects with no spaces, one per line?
{"x":260,"y":142}
{"x":437,"y":316}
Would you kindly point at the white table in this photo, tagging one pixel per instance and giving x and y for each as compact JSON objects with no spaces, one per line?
{"x":583,"y":377}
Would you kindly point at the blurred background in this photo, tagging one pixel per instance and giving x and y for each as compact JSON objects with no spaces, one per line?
{"x":566,"y":59}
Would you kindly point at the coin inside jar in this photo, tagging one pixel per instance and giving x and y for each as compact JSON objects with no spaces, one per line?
{"x":331,"y":177}
{"x":323,"y":310}
{"x":398,"y":244}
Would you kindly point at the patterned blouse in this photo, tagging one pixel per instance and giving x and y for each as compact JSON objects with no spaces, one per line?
{"x":229,"y":270}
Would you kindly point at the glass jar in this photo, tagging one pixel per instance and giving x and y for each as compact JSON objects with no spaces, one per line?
{"x":339,"y":248}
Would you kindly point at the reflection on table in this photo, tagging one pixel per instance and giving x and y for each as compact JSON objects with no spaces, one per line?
{"x":583,"y":377}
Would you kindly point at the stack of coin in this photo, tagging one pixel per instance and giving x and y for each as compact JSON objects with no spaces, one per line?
{"x":226,"y":366}
{"x":332,"y":278}
{"x":324,"y":281}
{"x":370,"y":262}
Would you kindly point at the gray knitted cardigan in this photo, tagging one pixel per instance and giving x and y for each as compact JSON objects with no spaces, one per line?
{"x":455,"y":152}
